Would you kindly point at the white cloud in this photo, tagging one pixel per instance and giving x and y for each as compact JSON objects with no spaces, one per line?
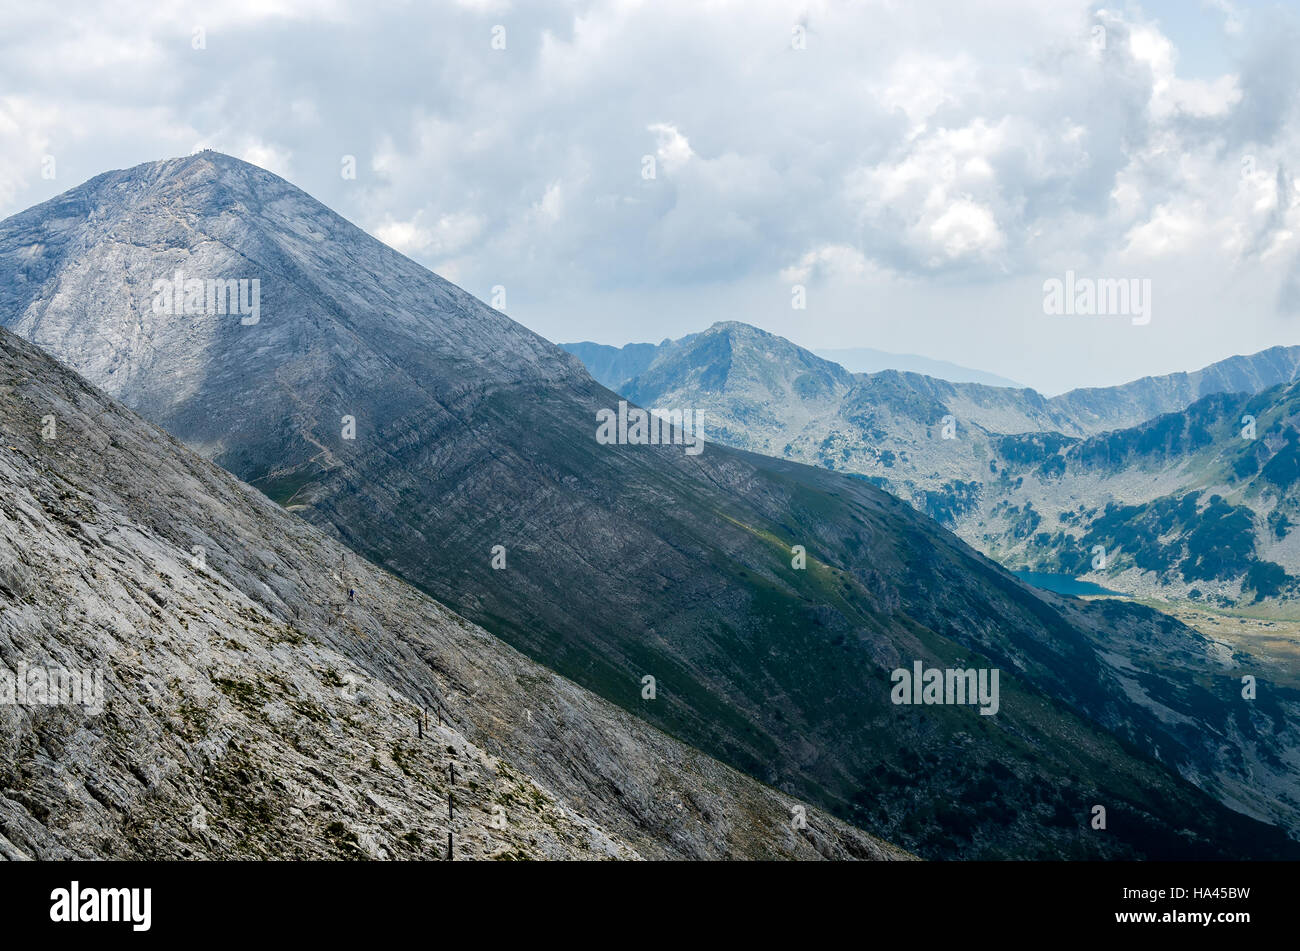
{"x":955,"y":151}
{"x":447,"y":235}
{"x":965,"y":228}
{"x":1170,"y":230}
{"x":673,"y":150}
{"x":404,"y":236}
{"x":831,"y":261}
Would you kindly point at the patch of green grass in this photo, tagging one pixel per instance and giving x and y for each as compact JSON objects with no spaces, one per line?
{"x":250,"y":697}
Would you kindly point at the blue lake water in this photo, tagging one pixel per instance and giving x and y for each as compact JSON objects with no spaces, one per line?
{"x":1061,"y":584}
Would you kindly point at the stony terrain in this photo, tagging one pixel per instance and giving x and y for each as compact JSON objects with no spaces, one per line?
{"x":473,"y":472}
{"x":763,"y":372}
{"x":1024,"y":479}
{"x":253,"y":711}
{"x":1189,"y":507}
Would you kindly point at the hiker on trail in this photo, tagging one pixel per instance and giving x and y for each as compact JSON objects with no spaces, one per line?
{"x":352,"y":594}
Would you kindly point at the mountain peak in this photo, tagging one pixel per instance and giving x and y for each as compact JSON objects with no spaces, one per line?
{"x":746,"y":333}
{"x":209,"y":158}
{"x":212,"y":165}
{"x":183,"y":173}
{"x":736,"y":326}
{"x":264,"y":623}
{"x":81,"y":274}
{"x":433,"y":435}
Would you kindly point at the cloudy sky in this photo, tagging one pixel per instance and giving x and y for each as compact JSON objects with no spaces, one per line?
{"x":631,"y":171}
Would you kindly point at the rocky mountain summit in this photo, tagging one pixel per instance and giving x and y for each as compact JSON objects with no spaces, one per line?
{"x":251,"y":709}
{"x":1029,"y":481}
{"x":752,"y":607}
{"x":724,"y":361}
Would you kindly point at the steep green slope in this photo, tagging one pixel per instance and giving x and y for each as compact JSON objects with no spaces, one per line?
{"x":1021,"y":477}
{"x":1200,"y":504}
{"x":251,"y":709}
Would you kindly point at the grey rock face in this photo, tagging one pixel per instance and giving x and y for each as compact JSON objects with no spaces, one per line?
{"x":251,"y":709}
{"x":1101,"y":409}
{"x":613,"y":366}
{"x":1025,"y":480}
{"x":621,"y":562}
{"x":694,"y":366}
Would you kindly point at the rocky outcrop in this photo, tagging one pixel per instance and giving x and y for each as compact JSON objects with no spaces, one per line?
{"x":447,"y":444}
{"x":1024,"y":479}
{"x":251,"y":708}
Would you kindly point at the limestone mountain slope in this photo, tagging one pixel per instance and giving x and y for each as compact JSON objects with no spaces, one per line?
{"x":705,"y":365}
{"x":1198,"y":505}
{"x":446,"y":443}
{"x":251,"y":710}
{"x":1020,"y":477}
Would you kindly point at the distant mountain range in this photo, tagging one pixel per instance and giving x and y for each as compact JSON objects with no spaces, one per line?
{"x":651,"y":370}
{"x":615,"y":366}
{"x":750,"y":606}
{"x":1020,"y":476}
{"x":866,"y":360}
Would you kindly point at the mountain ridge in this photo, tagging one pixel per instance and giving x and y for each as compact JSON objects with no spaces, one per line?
{"x":253,"y":710}
{"x":1080,"y":411}
{"x":452,"y":447}
{"x":868,"y":360}
{"x":993,"y":465}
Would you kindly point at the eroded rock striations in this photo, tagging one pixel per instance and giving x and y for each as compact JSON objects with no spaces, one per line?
{"x":250,"y":709}
{"x":446,"y":443}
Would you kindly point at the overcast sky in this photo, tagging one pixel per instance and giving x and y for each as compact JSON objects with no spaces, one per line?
{"x":919,"y":168}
